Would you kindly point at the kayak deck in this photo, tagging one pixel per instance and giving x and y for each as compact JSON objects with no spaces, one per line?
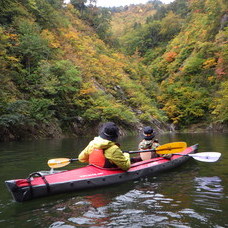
{"x":38,"y":185}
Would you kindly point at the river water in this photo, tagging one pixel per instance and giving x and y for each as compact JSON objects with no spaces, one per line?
{"x":193,"y":195}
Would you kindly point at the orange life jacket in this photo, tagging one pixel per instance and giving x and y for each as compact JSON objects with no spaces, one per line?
{"x":97,"y":158}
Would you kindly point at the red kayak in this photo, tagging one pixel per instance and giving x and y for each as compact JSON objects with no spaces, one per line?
{"x":39,"y":184}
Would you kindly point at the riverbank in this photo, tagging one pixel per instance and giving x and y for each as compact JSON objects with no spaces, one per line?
{"x":53,"y":130}
{"x":205,"y":127}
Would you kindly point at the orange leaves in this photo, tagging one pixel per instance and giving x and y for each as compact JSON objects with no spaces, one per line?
{"x":8,"y":39}
{"x":13,"y":36}
{"x":221,"y":70}
{"x":170,"y":56}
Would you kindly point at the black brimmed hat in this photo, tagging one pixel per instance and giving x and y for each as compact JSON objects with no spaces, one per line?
{"x":109,"y":131}
{"x":148,"y":133}
{"x":148,"y":130}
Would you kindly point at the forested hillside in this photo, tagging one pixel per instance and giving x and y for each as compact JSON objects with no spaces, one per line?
{"x":58,"y":76}
{"x":128,"y":18}
{"x":185,"y":47}
{"x":64,"y":70}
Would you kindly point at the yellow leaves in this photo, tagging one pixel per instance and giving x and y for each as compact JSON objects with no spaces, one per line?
{"x":70,"y":7}
{"x":32,"y":4}
{"x":53,"y":42}
{"x":71,"y":35}
{"x":209,"y":63}
{"x":106,"y":60}
{"x":203,"y":33}
{"x":6,"y":38}
{"x":220,"y":103}
{"x":108,"y":63}
{"x":12,"y":39}
{"x":88,"y":91}
{"x":13,"y":59}
{"x":211,"y":78}
{"x":172,"y":110}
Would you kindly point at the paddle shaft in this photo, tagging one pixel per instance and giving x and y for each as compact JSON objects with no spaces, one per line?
{"x":138,"y":151}
{"x":159,"y":151}
{"x":204,"y":155}
{"x":169,"y":148}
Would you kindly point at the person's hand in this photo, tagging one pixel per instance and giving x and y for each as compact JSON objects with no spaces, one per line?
{"x":167,"y":156}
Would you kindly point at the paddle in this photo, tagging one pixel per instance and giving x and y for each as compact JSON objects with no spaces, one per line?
{"x":175,"y":147}
{"x":204,"y":156}
{"x":60,"y":162}
{"x":168,"y":148}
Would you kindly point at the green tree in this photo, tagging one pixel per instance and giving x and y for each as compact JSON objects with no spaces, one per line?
{"x":32,"y":47}
{"x":179,"y":7}
{"x":184,"y":105}
{"x":99,"y":19}
{"x":57,"y":4}
{"x":221,"y":104}
{"x":79,"y":4}
{"x":14,"y":114}
{"x":170,"y":26}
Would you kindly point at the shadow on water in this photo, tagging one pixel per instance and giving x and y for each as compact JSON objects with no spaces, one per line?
{"x":193,"y":195}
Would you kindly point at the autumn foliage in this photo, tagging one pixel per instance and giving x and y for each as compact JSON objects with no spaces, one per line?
{"x":67,"y":67}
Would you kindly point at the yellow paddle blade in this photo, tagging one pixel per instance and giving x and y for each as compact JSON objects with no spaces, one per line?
{"x":58,"y":162}
{"x":171,"y":148}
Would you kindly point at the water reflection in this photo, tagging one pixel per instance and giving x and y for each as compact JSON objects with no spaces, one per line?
{"x":142,"y":204}
{"x":146,"y":204}
{"x":162,"y":201}
{"x":209,"y":192}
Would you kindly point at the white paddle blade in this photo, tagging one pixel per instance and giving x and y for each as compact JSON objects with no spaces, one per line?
{"x":206,"y":156}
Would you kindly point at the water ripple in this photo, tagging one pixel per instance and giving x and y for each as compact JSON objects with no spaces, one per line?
{"x":209,"y":193}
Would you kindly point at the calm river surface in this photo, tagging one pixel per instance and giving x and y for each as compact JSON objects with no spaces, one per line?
{"x":193,"y":195}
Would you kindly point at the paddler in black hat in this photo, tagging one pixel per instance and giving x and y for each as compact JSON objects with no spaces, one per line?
{"x":103,"y":151}
{"x":149,"y":142}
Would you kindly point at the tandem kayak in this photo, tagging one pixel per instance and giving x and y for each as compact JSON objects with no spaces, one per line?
{"x":41,"y":184}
